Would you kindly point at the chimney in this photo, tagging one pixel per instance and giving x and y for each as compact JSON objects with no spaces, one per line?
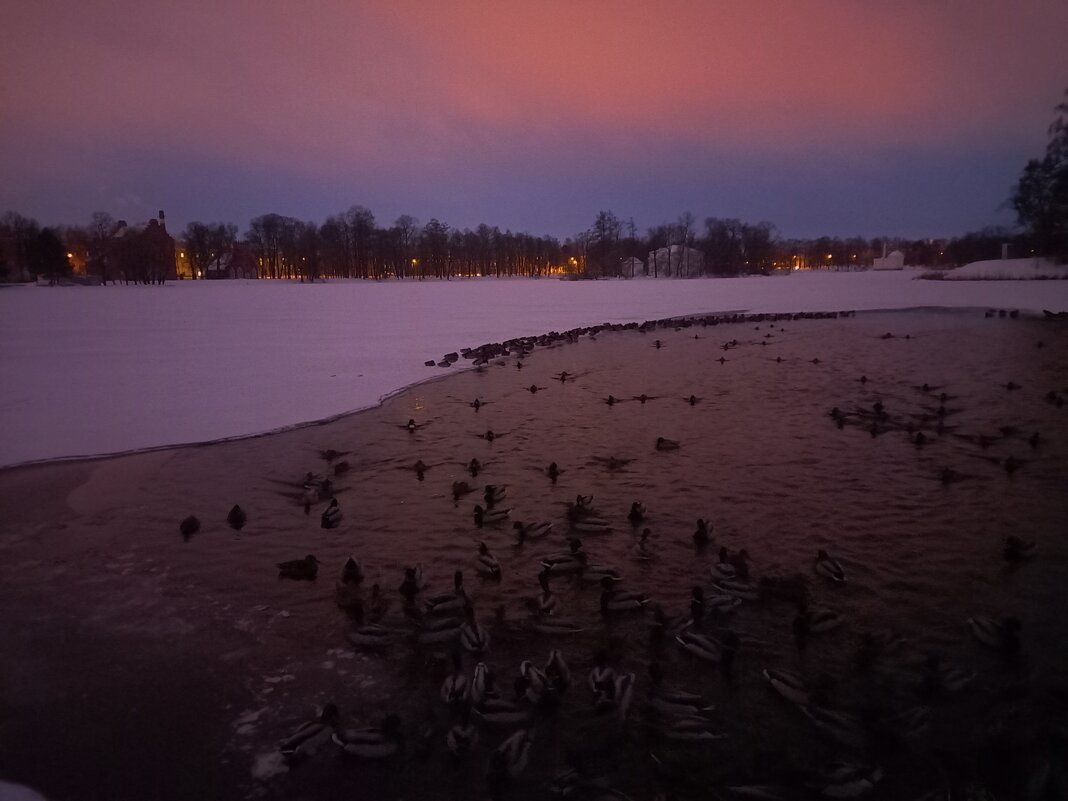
{"x":162,"y":224}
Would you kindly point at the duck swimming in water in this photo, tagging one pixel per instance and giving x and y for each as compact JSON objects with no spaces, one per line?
{"x":189,"y":526}
{"x":829,"y":567}
{"x":531,"y":531}
{"x":412,"y":584}
{"x":369,"y":635}
{"x":311,"y":736}
{"x":305,"y":569}
{"x":450,"y":602}
{"x":490,"y":517}
{"x":237,"y":518}
{"x":703,"y":533}
{"x":508,"y":761}
{"x":637,"y":513}
{"x":374,"y":742}
{"x":474,"y":637}
{"x":494,"y":494}
{"x":487,"y":566}
{"x":614,"y":601}
{"x":642,"y":549}
{"x":331,"y":517}
{"x":474,"y":467}
{"x":663,"y":444}
{"x":573,"y":561}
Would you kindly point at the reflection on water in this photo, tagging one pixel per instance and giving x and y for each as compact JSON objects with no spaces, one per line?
{"x":199,"y":659}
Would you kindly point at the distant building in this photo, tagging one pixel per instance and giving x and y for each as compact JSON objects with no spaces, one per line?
{"x":143,"y":253}
{"x":632,"y":267}
{"x":894,"y":260}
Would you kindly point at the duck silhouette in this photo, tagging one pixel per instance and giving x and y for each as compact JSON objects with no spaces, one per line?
{"x":237,"y":518}
{"x":305,"y":569}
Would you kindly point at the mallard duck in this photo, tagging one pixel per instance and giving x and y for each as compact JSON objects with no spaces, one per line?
{"x":642,"y":549}
{"x":597,"y":574}
{"x":553,"y":471}
{"x":311,"y":736}
{"x":373,"y":742}
{"x":703,"y":533}
{"x":546,"y":603}
{"x":412,"y":584}
{"x":462,"y":737}
{"x":788,"y":685}
{"x":494,"y":494}
{"x":531,"y":531}
{"x":722,"y":602}
{"x":369,"y":635}
{"x":535,"y":683}
{"x":614,"y":695}
{"x":819,"y":620}
{"x":474,"y":467}
{"x":745,"y":590}
{"x":508,"y":760}
{"x":671,"y":701}
{"x":1017,"y":550}
{"x":455,"y":688}
{"x":723,"y":567}
{"x":558,"y":672}
{"x":237,"y":518}
{"x":591,"y":525}
{"x":637,"y":513}
{"x":189,"y":526}
{"x":600,"y":672}
{"x":490,"y":517}
{"x":488,"y":565}
{"x":496,"y":711}
{"x":663,"y":444}
{"x":1003,"y":634}
{"x":829,"y":568}
{"x":435,"y":631}
{"x":474,"y":637}
{"x":331,"y":517}
{"x":305,"y":569}
{"x":616,"y":601}
{"x":450,"y":602}
{"x":571,"y":561}
{"x":704,"y":648}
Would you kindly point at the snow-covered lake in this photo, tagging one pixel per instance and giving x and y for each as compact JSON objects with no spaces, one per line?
{"x":91,"y":370}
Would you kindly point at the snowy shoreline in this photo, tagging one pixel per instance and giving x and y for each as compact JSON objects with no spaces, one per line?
{"x":94,"y":372}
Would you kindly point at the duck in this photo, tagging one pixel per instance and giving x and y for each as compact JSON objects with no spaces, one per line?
{"x":582,"y":507}
{"x":686,"y":729}
{"x":600,"y":672}
{"x":487,"y":565}
{"x":455,"y":688}
{"x":816,"y":620}
{"x":546,"y":603}
{"x":1017,"y":550}
{"x":663,"y":444}
{"x":744,"y":590}
{"x":557,"y":670}
{"x":844,"y":729}
{"x":572,"y":561}
{"x":450,"y":602}
{"x":497,"y":711}
{"x":829,"y":567}
{"x":474,"y":467}
{"x":305,"y":569}
{"x":480,"y":685}
{"x":615,"y":695}
{"x":490,"y":517}
{"x":535,"y":682}
{"x":474,"y":637}
{"x":703,"y":533}
{"x":459,"y":489}
{"x":553,"y":471}
{"x":412,"y":584}
{"x":310,"y":736}
{"x":462,"y":737}
{"x":637,"y":513}
{"x":347,"y":588}
{"x":641,"y":550}
{"x":704,"y":648}
{"x":616,"y":601}
{"x":237,"y":518}
{"x":531,"y":531}
{"x":377,"y":604}
{"x":598,"y":574}
{"x":374,"y":742}
{"x":189,"y":526}
{"x":439,"y":631}
{"x":369,"y":635}
{"x":671,"y":701}
{"x":591,"y":525}
{"x":331,"y":517}
{"x":788,"y":685}
{"x":1003,"y":634}
{"x":508,"y":760}
{"x":494,"y":494}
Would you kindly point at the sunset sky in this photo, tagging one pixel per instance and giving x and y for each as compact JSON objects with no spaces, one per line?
{"x":823,"y":117}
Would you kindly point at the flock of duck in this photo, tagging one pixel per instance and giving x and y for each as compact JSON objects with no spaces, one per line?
{"x":494,"y":714}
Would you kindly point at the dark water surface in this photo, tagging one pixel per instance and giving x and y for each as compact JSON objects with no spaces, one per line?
{"x":139,"y":666}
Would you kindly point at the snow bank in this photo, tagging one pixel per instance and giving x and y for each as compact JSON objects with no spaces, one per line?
{"x":96,"y":370}
{"x":1007,"y":270}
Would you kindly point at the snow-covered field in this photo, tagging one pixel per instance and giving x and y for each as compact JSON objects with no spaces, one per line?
{"x":91,"y":370}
